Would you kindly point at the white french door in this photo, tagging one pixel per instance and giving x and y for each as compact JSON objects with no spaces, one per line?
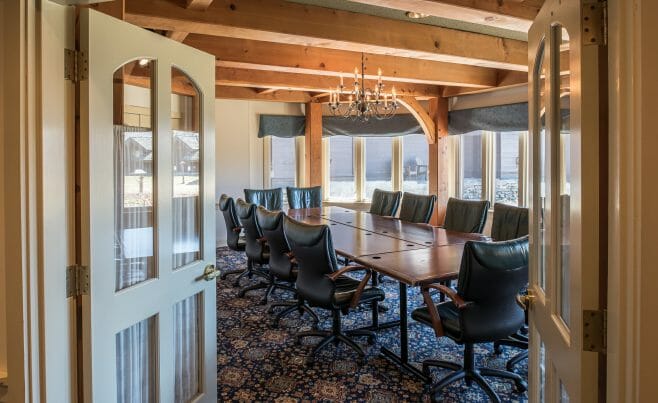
{"x":568,"y":152}
{"x":147,"y":215}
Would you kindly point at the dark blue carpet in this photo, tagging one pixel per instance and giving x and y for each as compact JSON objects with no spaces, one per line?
{"x":258,"y":363}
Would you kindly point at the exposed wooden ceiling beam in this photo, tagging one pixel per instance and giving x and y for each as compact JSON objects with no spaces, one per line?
{"x":243,"y":93}
{"x":515,"y":15}
{"x":306,"y":82}
{"x":241,"y":53}
{"x":291,"y":23}
{"x":423,"y":117}
{"x":198,"y":5}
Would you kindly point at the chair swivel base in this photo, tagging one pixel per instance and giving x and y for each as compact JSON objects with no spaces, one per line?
{"x":336,"y":336}
{"x":469,"y":373}
{"x":290,"y":307}
{"x":273,"y":285}
{"x":225,"y":274}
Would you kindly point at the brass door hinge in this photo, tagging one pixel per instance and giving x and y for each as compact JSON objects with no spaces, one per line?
{"x":595,"y":328}
{"x":595,"y":23}
{"x":77,"y":281}
{"x":75,"y":65}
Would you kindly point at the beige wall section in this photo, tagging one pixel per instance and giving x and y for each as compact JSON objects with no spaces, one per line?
{"x":239,"y":151}
{"x":3,"y":314}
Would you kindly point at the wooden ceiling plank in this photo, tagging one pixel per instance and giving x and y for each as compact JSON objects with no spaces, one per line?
{"x":250,"y":94}
{"x":506,"y":14}
{"x":305,"y":82}
{"x":241,"y":53}
{"x":283,"y":22}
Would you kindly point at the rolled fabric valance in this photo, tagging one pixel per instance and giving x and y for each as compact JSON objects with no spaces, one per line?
{"x":501,"y":118}
{"x":398,"y":125}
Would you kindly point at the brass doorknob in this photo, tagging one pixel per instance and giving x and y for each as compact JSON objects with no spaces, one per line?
{"x":210,"y":273}
{"x":525,"y":300}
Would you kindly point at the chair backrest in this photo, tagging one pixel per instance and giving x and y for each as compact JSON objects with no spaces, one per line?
{"x":491,"y":276}
{"x":252,"y":232}
{"x":271,"y":224}
{"x":509,"y":222}
{"x":227,"y":206}
{"x":417,"y":208}
{"x":304,"y":197}
{"x":315,"y":255}
{"x":385,"y":203}
{"x":271,"y":199}
{"x":466,"y":215}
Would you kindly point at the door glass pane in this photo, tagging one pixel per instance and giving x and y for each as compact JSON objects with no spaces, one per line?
{"x":341,"y":168}
{"x":415,"y":160}
{"x":507,"y":161}
{"x":564,"y":396}
{"x":471,"y":165}
{"x":542,"y":372}
{"x":379,"y":154}
{"x":186,"y":150}
{"x":136,"y":349}
{"x":562,"y":37}
{"x":187,"y":335}
{"x":282,"y":157}
{"x":134,"y":177}
{"x":542,"y":162}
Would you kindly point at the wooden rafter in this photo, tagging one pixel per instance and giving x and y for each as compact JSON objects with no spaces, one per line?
{"x":259,"y":55}
{"x":515,"y":15}
{"x":306,"y":82}
{"x":243,"y":93}
{"x":426,"y":122}
{"x":283,"y":22}
{"x":197,"y":5}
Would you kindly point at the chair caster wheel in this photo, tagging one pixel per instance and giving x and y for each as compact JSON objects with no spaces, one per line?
{"x":270,"y":310}
{"x":498,"y":350}
{"x":236,"y":284}
{"x":222,"y":276}
{"x":426,"y":371}
{"x":262,"y":301}
{"x":521,"y":387}
{"x":309,"y":361}
{"x":241,"y":294}
{"x":371,"y":340}
{"x":274,"y":325}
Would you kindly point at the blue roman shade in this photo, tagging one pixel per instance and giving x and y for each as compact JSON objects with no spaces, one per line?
{"x":281,"y":126}
{"x":398,"y":125}
{"x":502,"y":118}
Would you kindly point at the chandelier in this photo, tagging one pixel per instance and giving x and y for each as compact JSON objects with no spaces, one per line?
{"x":363,"y":103}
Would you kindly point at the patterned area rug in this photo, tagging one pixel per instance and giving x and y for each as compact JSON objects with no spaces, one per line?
{"x":258,"y":363}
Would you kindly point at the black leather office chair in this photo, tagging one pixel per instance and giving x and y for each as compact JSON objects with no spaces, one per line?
{"x":233,"y":230}
{"x":466,"y":215}
{"x":255,"y":247}
{"x":483,"y":309}
{"x":304,"y":197}
{"x":509,"y":222}
{"x":283,"y":272}
{"x":322,"y":283}
{"x":417,"y":208}
{"x":385,"y":203}
{"x":271,"y":199}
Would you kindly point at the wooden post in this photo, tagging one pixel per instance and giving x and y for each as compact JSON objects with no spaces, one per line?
{"x":313,"y":143}
{"x":439,"y":159}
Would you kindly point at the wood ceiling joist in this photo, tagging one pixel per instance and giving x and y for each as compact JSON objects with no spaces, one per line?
{"x":259,"y":55}
{"x":514,"y":15}
{"x":251,"y":94}
{"x":198,"y":5}
{"x":291,"y":23}
{"x":305,"y":82}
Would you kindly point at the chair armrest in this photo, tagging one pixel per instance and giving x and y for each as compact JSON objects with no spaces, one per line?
{"x":362,"y":285}
{"x":434,"y":313}
{"x":237,"y":229}
{"x":452,"y":294}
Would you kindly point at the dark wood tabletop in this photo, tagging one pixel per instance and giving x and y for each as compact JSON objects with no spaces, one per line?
{"x":411,"y":253}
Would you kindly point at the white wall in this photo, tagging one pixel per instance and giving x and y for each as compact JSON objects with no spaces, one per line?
{"x":239,"y":151}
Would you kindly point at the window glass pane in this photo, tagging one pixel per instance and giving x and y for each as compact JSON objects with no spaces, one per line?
{"x":471,"y":166}
{"x":134,"y":177}
{"x":507,"y":160}
{"x":379,"y":153}
{"x":341,"y":168}
{"x":415,"y":161}
{"x":541,"y":138}
{"x":136,"y":366}
{"x":186,"y":148}
{"x":282,"y":157}
{"x":565,"y":169}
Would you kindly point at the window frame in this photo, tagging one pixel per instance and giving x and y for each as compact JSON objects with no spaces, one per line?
{"x":300,"y":163}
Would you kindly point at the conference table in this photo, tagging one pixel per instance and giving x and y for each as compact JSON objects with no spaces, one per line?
{"x":412,"y":254}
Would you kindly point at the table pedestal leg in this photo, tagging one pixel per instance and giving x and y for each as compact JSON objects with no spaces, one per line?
{"x":402,"y":360}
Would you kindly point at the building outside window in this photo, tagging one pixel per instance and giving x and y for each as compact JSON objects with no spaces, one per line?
{"x":379,"y":156}
{"x":342,"y":185}
{"x":471,"y":166}
{"x":507,"y":161}
{"x":282,"y":162}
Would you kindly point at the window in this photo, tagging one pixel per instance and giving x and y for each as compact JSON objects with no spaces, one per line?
{"x":342,"y":177}
{"x":379,"y":155}
{"x":415,"y":155}
{"x":282,"y":162}
{"x":491,"y":166}
{"x":507,"y":161}
{"x":471,"y":166}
